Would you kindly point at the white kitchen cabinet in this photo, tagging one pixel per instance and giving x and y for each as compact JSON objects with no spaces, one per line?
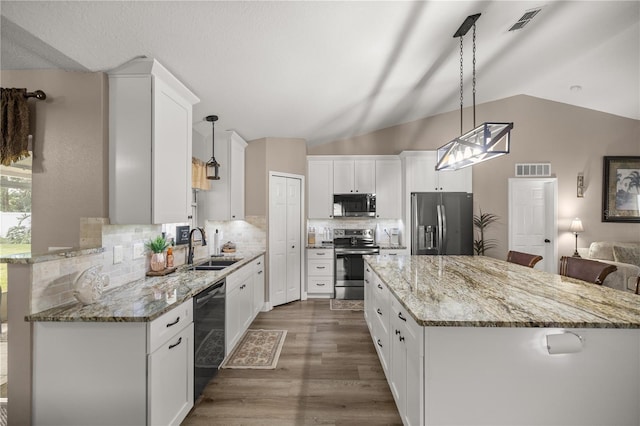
{"x":320,"y":195}
{"x":388,"y":188}
{"x":421,"y":175}
{"x":381,"y":312}
{"x":407,"y":363}
{"x":82,"y":370}
{"x":354,"y":176}
{"x":150,"y":133}
{"x":225,"y":199}
{"x":239,"y":305}
{"x":258,"y":285}
{"x":320,"y":277}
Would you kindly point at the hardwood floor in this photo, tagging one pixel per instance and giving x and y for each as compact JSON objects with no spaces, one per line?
{"x":328,"y":374}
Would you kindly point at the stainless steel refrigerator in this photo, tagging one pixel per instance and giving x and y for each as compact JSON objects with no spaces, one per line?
{"x":441,"y":223}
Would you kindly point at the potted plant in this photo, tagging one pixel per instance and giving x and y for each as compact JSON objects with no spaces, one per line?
{"x":482,"y":222}
{"x":157,"y":246}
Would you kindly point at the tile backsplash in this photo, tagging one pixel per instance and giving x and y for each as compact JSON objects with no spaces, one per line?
{"x":52,"y":281}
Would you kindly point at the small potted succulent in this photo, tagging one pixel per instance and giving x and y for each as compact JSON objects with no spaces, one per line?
{"x":157,"y":246}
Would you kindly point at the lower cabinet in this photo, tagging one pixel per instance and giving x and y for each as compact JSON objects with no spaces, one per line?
{"x":258,"y":285}
{"x":320,"y":273}
{"x":407,"y":364}
{"x":114,"y":372}
{"x":245,"y":298}
{"x":239,"y":309}
{"x":399,"y":342}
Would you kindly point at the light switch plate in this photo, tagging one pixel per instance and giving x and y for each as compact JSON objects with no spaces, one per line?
{"x":118,"y":255}
{"x":138,"y":250}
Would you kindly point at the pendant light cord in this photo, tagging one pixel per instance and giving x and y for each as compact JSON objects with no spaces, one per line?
{"x":474,"y":75}
{"x":461,"y":84}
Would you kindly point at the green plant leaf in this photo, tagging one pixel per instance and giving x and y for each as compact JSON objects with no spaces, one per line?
{"x":157,"y":245}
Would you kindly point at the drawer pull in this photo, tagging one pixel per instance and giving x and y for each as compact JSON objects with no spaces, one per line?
{"x":259,"y":272}
{"x":380,"y":286}
{"x":379,"y":311}
{"x":320,"y":284}
{"x":320,"y":267}
{"x":320,"y":254}
{"x":379,"y":344}
{"x":173,"y":323}
{"x":401,"y":316}
{"x":175,"y":344}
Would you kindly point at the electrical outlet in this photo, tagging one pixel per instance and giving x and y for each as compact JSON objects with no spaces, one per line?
{"x":138,"y":250}
{"x":118,"y":255}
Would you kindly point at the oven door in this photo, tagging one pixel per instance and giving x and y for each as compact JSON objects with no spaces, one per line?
{"x":349,"y":270}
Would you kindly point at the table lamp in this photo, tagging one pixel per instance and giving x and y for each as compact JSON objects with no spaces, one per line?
{"x":576,"y":228}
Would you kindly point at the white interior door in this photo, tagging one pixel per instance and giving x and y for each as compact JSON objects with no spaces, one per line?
{"x":277,"y":240}
{"x":294,"y":249}
{"x":285,"y":239}
{"x":533,"y":219}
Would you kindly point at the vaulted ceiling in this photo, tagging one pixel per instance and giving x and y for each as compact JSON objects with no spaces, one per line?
{"x":333,"y":69}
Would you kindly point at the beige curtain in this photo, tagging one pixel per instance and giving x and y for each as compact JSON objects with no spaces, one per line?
{"x":14,"y":125}
{"x":199,"y":174}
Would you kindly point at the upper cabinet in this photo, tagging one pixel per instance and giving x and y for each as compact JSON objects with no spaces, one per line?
{"x":388,"y":188}
{"x":354,"y":176}
{"x":225,"y":199}
{"x":150,"y":132}
{"x":320,"y":195}
{"x":422,"y":176}
{"x":372,"y":174}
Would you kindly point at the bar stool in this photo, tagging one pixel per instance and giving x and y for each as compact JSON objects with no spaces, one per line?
{"x":524,"y":259}
{"x":585,"y":269}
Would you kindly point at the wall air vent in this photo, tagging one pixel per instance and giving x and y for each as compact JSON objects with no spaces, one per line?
{"x":533,"y":169}
{"x":524,"y":19}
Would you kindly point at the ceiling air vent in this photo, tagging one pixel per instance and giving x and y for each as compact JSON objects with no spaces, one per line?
{"x":524,"y":19}
{"x":533,"y":169}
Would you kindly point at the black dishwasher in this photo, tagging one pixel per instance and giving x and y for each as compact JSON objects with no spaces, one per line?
{"x":208,"y":340}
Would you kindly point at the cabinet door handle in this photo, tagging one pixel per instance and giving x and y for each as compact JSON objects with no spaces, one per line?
{"x":397,"y":332}
{"x":379,"y":344}
{"x":176,"y":344}
{"x":174,"y":323}
{"x":259,"y":272}
{"x":379,"y":311}
{"x":401,"y":338}
{"x":401,"y":316}
{"x":366,"y":281}
{"x":380,"y":286}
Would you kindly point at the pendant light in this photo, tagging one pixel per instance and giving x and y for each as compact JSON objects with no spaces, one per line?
{"x":212,"y":164}
{"x":487,"y":141}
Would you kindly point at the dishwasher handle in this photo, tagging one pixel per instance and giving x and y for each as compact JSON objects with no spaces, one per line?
{"x":209,"y":293}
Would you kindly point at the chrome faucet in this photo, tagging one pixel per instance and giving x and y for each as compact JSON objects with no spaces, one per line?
{"x":190,"y":250}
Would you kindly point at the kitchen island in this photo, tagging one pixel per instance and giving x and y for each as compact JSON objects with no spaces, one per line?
{"x":473,"y":340}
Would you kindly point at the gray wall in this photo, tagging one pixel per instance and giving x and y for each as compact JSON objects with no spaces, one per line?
{"x":70,"y":158}
{"x":572,"y":139}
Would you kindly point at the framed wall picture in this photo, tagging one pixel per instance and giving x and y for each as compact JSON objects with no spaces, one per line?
{"x":621,"y":189}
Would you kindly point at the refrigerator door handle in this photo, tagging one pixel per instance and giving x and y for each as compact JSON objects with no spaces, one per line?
{"x":443,"y":244}
{"x":414,"y":218}
{"x":440,"y":227}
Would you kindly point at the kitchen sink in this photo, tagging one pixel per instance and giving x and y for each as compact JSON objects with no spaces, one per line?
{"x":215,"y":264}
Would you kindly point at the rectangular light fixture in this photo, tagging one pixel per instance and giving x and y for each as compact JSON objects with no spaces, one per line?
{"x":487,"y":141}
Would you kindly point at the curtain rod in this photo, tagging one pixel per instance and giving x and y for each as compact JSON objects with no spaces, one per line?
{"x":38,"y":94}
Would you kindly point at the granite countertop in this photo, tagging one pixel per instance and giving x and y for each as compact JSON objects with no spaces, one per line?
{"x":145,"y":299}
{"x":30,"y":258}
{"x":478,"y":291}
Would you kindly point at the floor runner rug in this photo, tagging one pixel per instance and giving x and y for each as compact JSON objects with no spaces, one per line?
{"x":347,"y":305}
{"x":257,"y":349}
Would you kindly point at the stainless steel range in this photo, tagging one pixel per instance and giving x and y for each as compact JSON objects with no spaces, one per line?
{"x":349,"y":247}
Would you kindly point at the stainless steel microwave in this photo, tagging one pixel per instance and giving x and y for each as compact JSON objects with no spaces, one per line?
{"x":354,"y":205}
